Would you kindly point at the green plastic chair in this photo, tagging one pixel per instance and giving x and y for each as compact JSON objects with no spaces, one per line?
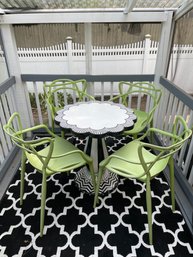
{"x":58,"y":156}
{"x":62,"y":92}
{"x":79,"y":85}
{"x":144,"y":117}
{"x":144,"y":161}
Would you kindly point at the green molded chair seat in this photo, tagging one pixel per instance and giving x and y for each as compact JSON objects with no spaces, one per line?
{"x":56,"y":163}
{"x":48,"y":155}
{"x":133,"y":167}
{"x":140,"y":124}
{"x":143,"y":161}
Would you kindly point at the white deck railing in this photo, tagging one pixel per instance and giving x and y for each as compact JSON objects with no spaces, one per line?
{"x":173,"y":102}
{"x":7,"y":106}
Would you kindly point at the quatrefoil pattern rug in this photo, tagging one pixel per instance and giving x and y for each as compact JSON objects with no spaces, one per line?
{"x":116,"y":228}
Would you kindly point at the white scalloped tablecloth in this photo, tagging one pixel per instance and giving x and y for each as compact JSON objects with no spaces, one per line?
{"x":96,"y":117}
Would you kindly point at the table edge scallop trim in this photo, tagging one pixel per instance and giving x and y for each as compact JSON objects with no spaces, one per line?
{"x":117,"y":129}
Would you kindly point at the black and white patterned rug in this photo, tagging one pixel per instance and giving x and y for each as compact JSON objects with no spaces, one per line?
{"x":116,"y":228}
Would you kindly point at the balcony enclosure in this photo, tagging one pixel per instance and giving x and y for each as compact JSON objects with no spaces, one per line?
{"x":169,"y":23}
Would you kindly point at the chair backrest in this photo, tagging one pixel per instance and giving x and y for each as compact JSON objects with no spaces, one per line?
{"x":180,"y":133}
{"x":127,"y":90}
{"x":139,"y":88}
{"x":66,"y":93}
{"x":18,"y":136}
{"x":78,"y":86}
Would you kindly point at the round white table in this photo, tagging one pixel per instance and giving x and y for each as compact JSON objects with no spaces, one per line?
{"x":96,"y":120}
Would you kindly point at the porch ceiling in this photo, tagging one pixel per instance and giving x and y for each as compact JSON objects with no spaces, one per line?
{"x":16,"y":5}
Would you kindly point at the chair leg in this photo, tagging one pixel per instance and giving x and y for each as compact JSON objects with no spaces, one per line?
{"x":52,"y":125}
{"x":149,"y":210}
{"x":43,"y":201}
{"x":98,"y":185}
{"x":22,"y":174}
{"x":62,"y":134}
{"x":171,"y":166}
{"x":151,"y":133}
{"x":91,"y":168}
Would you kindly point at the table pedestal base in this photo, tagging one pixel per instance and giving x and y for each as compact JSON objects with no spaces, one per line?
{"x":96,"y":148}
{"x":84,"y":182}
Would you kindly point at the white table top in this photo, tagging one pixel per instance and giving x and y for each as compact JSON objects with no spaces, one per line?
{"x":95,"y":118}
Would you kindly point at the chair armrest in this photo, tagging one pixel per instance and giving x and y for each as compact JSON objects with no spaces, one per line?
{"x":41,"y":126}
{"x":162,"y":132}
{"x":159,"y":131}
{"x":84,"y":94}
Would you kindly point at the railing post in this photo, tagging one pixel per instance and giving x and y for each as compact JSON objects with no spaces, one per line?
{"x":21,"y":98}
{"x":69,"y":54}
{"x":163,"y":58}
{"x":164,"y":47}
{"x":145,"y":67}
{"x":88,"y":54}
